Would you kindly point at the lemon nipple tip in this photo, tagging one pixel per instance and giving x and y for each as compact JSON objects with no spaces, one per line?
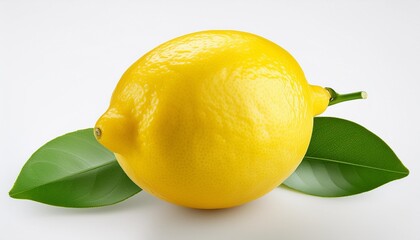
{"x":98,"y":132}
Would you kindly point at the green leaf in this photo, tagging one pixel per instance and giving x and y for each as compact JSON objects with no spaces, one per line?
{"x":343,"y":159}
{"x":73,"y":170}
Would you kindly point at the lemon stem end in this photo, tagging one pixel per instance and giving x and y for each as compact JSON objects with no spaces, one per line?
{"x":338,"y":98}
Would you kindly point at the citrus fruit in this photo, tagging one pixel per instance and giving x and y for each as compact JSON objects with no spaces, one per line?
{"x":212,"y":119}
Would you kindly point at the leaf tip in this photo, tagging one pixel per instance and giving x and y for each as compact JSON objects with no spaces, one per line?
{"x":404,"y":170}
{"x":407,"y":172}
{"x":12,"y":193}
{"x":16,"y":193}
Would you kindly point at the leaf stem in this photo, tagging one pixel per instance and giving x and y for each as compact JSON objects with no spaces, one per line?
{"x":338,"y":98}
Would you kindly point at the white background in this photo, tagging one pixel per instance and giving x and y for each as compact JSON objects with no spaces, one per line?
{"x":60,"y":60}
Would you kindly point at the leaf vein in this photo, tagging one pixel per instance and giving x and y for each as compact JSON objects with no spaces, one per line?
{"x":65,"y":177}
{"x":354,"y":164}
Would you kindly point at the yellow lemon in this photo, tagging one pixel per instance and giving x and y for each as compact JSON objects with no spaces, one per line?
{"x":212,"y":119}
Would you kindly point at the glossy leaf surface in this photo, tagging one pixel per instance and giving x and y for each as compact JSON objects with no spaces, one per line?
{"x":343,"y":159}
{"x":73,"y":170}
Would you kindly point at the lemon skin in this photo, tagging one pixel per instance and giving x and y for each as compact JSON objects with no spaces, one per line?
{"x":212,"y":119}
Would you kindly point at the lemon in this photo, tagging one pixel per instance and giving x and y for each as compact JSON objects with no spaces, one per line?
{"x":212,"y":119}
